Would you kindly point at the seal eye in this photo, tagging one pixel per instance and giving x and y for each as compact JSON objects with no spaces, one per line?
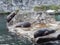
{"x":24,"y":24}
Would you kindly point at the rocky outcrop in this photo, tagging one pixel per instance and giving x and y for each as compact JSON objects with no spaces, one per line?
{"x":27,"y":25}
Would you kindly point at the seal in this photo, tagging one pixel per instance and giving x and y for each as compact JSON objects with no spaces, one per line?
{"x":43,"y":32}
{"x":24,"y":24}
{"x":9,"y":17}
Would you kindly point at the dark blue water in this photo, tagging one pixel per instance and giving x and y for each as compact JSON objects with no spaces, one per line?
{"x":5,"y":37}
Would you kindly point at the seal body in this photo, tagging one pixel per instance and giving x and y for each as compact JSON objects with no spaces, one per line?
{"x":43,"y":32}
{"x":24,"y":24}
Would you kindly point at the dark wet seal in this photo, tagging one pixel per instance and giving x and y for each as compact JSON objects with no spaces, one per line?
{"x":10,"y":17}
{"x":24,"y":24}
{"x":43,"y":32}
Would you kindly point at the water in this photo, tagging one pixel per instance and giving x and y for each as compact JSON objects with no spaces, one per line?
{"x":5,"y":37}
{"x":57,"y":17}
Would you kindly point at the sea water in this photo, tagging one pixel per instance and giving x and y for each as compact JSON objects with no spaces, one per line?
{"x":5,"y":37}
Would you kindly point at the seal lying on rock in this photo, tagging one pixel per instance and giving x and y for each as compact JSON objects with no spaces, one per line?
{"x":24,"y":24}
{"x":9,"y":17}
{"x":43,"y":32}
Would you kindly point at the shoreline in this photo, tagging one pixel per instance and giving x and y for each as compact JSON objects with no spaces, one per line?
{"x":3,"y":13}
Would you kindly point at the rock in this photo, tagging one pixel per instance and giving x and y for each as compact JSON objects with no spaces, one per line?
{"x":49,"y":43}
{"x":24,"y":24}
{"x":47,"y":39}
{"x":43,"y":40}
{"x":43,"y":32}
